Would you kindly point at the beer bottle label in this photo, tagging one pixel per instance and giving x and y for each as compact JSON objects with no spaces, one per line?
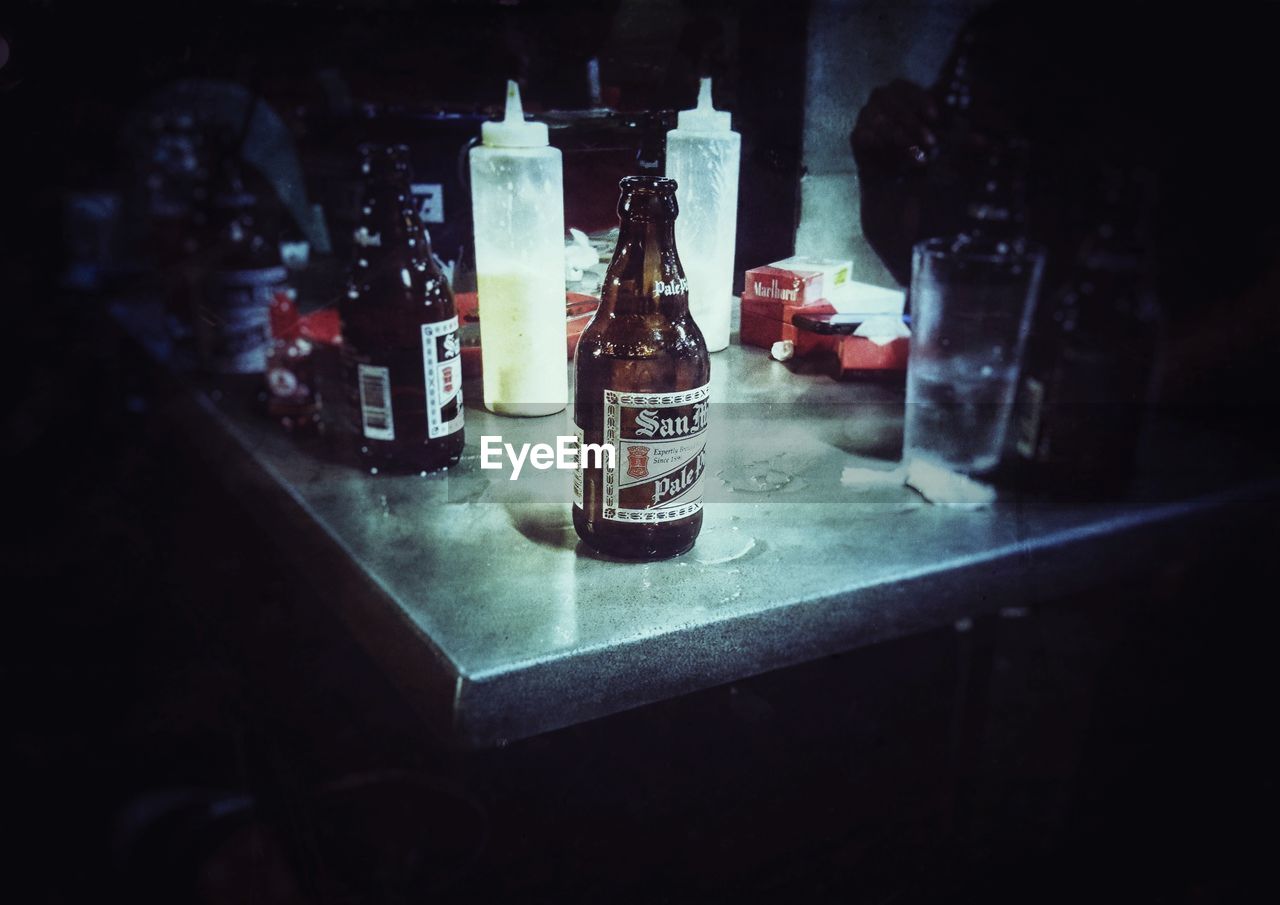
{"x":234,"y":319}
{"x":579,"y":472}
{"x":442,"y":369}
{"x":375,"y":403}
{"x":658,"y":440}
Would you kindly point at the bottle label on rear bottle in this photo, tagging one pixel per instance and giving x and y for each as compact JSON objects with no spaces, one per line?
{"x":375,"y":403}
{"x":579,"y":472}
{"x":233,"y":322}
{"x":659,"y":441}
{"x":442,"y":372}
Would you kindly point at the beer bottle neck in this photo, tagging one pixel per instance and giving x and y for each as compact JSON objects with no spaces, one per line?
{"x":387,"y":222}
{"x":645,"y":276}
{"x":392,"y":262}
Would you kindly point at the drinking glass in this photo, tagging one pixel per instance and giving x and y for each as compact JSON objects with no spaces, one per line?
{"x":972,"y":300}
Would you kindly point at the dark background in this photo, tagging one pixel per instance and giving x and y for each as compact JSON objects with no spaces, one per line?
{"x":184,"y":722}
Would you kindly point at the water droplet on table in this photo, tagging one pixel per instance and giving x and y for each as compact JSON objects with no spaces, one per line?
{"x":757,"y":477}
{"x":717,"y":546}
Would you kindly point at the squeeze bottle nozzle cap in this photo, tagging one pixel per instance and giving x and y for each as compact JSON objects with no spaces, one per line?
{"x":513,"y":131}
{"x":704,"y":117}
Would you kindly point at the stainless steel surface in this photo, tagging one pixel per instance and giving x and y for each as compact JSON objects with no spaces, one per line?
{"x":487,"y":608}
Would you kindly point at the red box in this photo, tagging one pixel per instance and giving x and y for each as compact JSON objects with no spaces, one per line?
{"x":765,"y":322}
{"x":758,"y":330}
{"x":789,"y":287}
{"x":782,"y":311}
{"x":857,"y":353}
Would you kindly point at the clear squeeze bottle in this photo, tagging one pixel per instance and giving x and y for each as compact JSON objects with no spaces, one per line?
{"x":702,"y":157}
{"x":517,"y":198}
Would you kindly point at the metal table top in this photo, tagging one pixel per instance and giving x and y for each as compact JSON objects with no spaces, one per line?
{"x":474,"y":592}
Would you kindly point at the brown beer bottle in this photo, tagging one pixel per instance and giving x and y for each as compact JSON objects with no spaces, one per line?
{"x":641,"y":387}
{"x":401,"y":356}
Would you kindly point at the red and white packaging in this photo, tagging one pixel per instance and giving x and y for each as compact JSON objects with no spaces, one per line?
{"x":783,"y":285}
{"x":292,"y":375}
{"x":766,"y":322}
{"x":772,"y":296}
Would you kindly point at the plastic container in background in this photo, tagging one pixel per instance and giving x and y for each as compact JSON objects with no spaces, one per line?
{"x":517,"y":198}
{"x":703,"y":154}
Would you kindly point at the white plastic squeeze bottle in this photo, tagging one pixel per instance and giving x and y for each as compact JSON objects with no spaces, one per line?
{"x":702,"y":157}
{"x":517,"y":200}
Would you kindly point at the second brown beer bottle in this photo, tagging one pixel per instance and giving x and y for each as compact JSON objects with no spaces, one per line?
{"x":641,"y":385}
{"x":401,"y":353}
